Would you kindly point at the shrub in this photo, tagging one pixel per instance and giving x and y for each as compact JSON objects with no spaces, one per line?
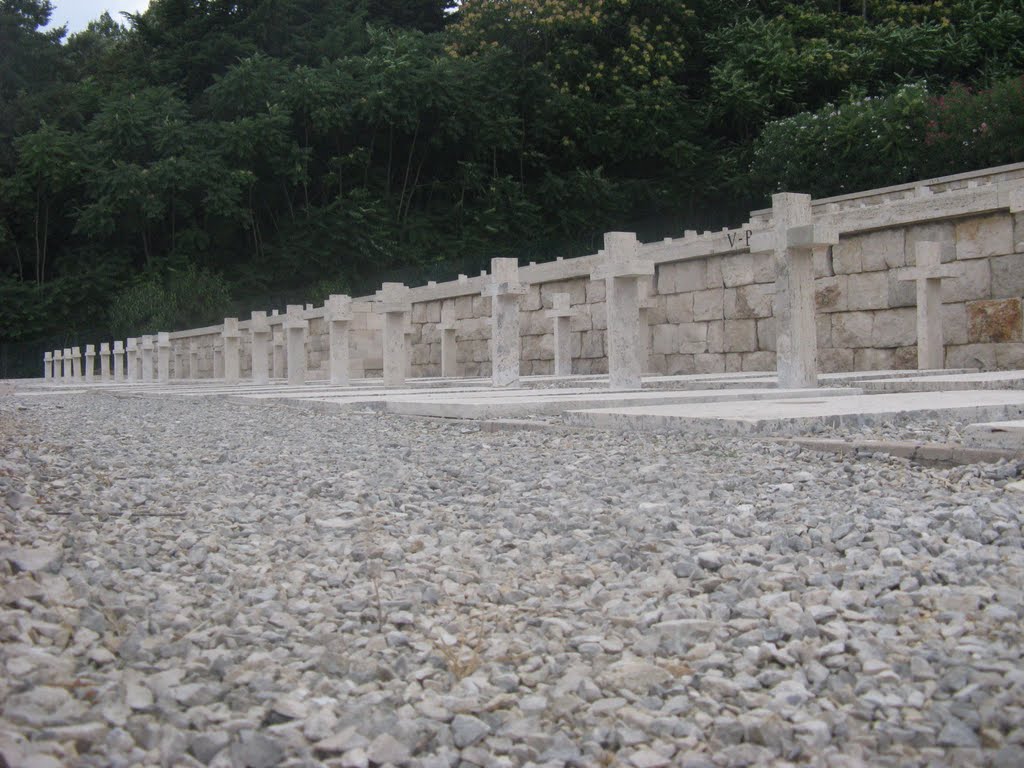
{"x":177,"y":298}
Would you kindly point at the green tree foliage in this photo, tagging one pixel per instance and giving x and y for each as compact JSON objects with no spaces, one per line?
{"x":210,"y":152}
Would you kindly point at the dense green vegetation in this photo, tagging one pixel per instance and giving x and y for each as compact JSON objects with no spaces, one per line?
{"x":210,"y":156}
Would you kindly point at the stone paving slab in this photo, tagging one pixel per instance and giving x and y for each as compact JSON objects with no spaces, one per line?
{"x":808,"y":414}
{"x":1004,"y":435}
{"x":950,"y":382}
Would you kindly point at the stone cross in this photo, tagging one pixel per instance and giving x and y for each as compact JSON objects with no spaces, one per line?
{"x":90,"y":361}
{"x":232,"y":342}
{"x":260,"y":329}
{"x":179,"y":362}
{"x":105,"y":361}
{"x":562,"y":314}
{"x":928,"y":274}
{"x":218,"y":358}
{"x":118,"y":361}
{"x":295,"y":327}
{"x":392,"y":301}
{"x":193,"y":359}
{"x":338,"y":314}
{"x":792,"y":240}
{"x":504,"y":290}
{"x":48,"y":365}
{"x":449,"y":345}
{"x":76,"y":361}
{"x":163,"y":357}
{"x":58,"y":364}
{"x":621,"y":269}
{"x":279,"y":361}
{"x":147,"y":358}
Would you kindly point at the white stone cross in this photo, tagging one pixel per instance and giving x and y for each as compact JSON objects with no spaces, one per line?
{"x":119,"y":361}
{"x":76,"y":361}
{"x":179,"y":362}
{"x":48,"y":365}
{"x":105,"y":361}
{"x":90,"y":361}
{"x":562,"y":314}
{"x":621,"y":269}
{"x":147,"y":358}
{"x":504,"y":290}
{"x":295,"y":327}
{"x":163,"y":357}
{"x":792,"y":239}
{"x":928,"y":274}
{"x":260,"y":329}
{"x":449,"y":345}
{"x":232,"y":343}
{"x":392,"y":300}
{"x":279,"y":356}
{"x":218,"y":358}
{"x":338,"y":314}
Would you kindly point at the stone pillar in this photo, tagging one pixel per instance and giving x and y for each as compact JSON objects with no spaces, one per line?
{"x":260,"y":329}
{"x":118,"y":361}
{"x":163,"y":357}
{"x":179,"y":361}
{"x":76,"y":363}
{"x":621,"y":270}
{"x":295,"y":327}
{"x":928,"y":274}
{"x":338,"y":314}
{"x":792,"y":238}
{"x":90,"y":361}
{"x":232,"y":342}
{"x":392,"y":300}
{"x":218,"y":359}
{"x":279,"y":361}
{"x":449,"y":345}
{"x":148,"y":347}
{"x":193,"y":359}
{"x":48,"y":365}
{"x":105,"y":361}
{"x":504,"y":290}
{"x":63,"y":363}
{"x":562,"y":314}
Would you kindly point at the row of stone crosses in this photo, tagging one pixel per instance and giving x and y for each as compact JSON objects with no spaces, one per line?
{"x":791,"y":238}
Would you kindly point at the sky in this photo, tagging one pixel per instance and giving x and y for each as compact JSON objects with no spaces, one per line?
{"x":78,"y":13}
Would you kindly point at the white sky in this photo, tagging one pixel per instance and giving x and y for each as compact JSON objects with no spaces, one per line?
{"x":78,"y":13}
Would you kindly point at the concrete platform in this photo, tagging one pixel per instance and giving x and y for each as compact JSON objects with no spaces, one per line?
{"x":1003,"y":435}
{"x":947,"y":382}
{"x":806,"y":415}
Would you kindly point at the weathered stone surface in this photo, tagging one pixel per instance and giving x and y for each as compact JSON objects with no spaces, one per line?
{"x":980,"y":237}
{"x":867,"y":290}
{"x":852,"y":329}
{"x":748,"y":302}
{"x":709,"y":305}
{"x":869,"y":253}
{"x":740,"y":336}
{"x":894,"y":328}
{"x":737,"y":270}
{"x":975,"y":282}
{"x":994,"y":321}
{"x":830,"y":294}
{"x":1007,"y":276}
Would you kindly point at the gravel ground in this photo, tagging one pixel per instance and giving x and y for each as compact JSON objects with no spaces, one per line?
{"x":204,"y":583}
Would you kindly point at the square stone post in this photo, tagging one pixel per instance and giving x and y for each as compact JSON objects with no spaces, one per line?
{"x":295,"y":327}
{"x":338,"y":314}
{"x":179,"y":361}
{"x":928,"y":274}
{"x":449,"y":345}
{"x":792,"y":239}
{"x":118,"y":361}
{"x":392,"y":301}
{"x":621,"y":270}
{"x":90,"y":361}
{"x":232,"y":341}
{"x":104,"y":361}
{"x":562,"y":314}
{"x":148,"y":347}
{"x":193,"y":359}
{"x":48,"y":365}
{"x":260,"y":329}
{"x":63,"y":358}
{"x":163,"y":357}
{"x":76,"y":362}
{"x":504,"y":290}
{"x":218,"y":358}
{"x":132,"y":358}
{"x":279,"y":361}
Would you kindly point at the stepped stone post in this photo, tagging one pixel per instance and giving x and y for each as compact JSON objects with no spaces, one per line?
{"x":232,"y":342}
{"x":621,"y":269}
{"x":562,"y":314}
{"x":449,"y":345}
{"x":163,"y":357}
{"x":119,"y":361}
{"x":76,"y":362}
{"x":147,"y":358}
{"x":929,"y":274}
{"x":504,"y":290}
{"x":295,"y":327}
{"x":792,"y":239}
{"x":392,"y":300}
{"x":193,"y":359}
{"x":260,"y":329}
{"x":218,"y":358}
{"x":48,"y":365}
{"x":338,"y":314}
{"x":90,"y":361}
{"x":104,"y":361}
